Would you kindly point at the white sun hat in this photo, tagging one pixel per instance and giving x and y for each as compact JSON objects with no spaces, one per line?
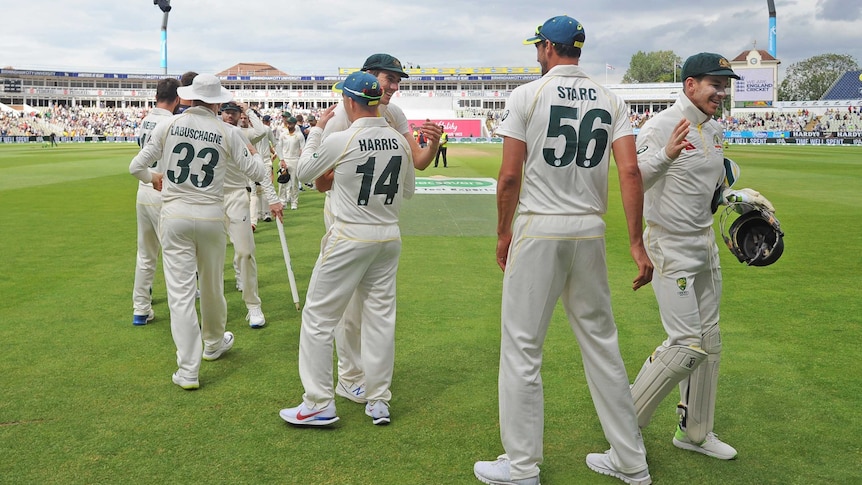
{"x":206,"y":88}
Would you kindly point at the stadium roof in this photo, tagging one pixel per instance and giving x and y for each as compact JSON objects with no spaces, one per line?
{"x":252,"y":69}
{"x":764,"y":55}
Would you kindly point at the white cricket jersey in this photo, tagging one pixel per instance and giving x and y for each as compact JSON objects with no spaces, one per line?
{"x":569,"y":123}
{"x":195,"y":149}
{"x":148,"y":124}
{"x":373,"y":170}
{"x":677,"y":194}
{"x":290,"y":144}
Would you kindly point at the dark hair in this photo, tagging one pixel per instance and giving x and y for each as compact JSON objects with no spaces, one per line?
{"x":166,"y":90}
{"x":187,"y":78}
{"x":568,"y":50}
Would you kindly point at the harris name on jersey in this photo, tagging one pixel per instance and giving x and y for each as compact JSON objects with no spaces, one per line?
{"x":378,"y":144}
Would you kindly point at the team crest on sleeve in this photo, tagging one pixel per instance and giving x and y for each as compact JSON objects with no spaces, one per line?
{"x":245,"y":150}
{"x":505,"y":115}
{"x":642,"y":149}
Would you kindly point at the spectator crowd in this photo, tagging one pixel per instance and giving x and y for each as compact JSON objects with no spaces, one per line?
{"x":77,"y":121}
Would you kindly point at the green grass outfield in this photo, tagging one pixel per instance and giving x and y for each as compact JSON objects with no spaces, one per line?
{"x":87,"y":398}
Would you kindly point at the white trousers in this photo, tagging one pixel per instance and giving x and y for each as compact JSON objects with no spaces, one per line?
{"x":194,"y":241}
{"x":259,"y":206}
{"x":348,"y":332}
{"x":686,"y":281}
{"x":553,"y":258}
{"x":688,"y":285}
{"x":236,"y":204}
{"x":356,"y":258}
{"x":149,"y":207}
{"x":289,"y":193}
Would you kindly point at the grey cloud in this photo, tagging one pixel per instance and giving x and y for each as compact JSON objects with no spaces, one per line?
{"x":843,"y":10}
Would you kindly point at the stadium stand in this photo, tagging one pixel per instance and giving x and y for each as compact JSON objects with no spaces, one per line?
{"x":848,"y":86}
{"x":36,"y":103}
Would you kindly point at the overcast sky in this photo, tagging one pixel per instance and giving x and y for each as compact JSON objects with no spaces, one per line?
{"x":318,"y":37}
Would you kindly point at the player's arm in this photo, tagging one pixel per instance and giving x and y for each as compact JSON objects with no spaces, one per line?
{"x":148,"y":156}
{"x":656,"y":151}
{"x":508,"y":193}
{"x":251,"y":164}
{"x":408,"y":186}
{"x":324,"y":182}
{"x":311,"y":164}
{"x":631,"y":188}
{"x":258,"y":130}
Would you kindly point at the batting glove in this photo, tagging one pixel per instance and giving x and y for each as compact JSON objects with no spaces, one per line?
{"x":748,"y":196}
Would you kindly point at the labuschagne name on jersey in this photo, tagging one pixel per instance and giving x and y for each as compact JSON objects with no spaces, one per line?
{"x":576,"y":94}
{"x":378,"y":144}
{"x":194,"y":134}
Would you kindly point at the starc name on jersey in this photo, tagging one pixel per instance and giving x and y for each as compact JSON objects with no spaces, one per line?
{"x":576,"y":94}
{"x":194,"y":134}
{"x":379,"y":144}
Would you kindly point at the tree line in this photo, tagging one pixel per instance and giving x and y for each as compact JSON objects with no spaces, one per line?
{"x":803,"y":81}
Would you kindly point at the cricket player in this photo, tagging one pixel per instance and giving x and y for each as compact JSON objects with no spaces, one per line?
{"x":389,"y":72}
{"x":681,"y":157}
{"x":149,"y":205}
{"x":237,"y":207}
{"x":259,"y":204}
{"x":373,"y":172}
{"x":289,"y":147}
{"x":194,"y":150}
{"x":558,"y":133}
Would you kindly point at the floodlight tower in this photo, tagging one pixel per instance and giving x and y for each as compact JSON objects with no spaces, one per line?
{"x":773,"y":30}
{"x":164,"y":6}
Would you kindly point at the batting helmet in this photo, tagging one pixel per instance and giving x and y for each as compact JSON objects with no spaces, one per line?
{"x":283,"y":176}
{"x":755,"y":237}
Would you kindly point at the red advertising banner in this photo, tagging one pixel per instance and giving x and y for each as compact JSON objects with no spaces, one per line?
{"x":458,"y":127}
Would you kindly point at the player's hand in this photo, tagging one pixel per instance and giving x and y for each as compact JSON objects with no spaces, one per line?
{"x":324,"y":182}
{"x":251,"y":149}
{"x":277,"y":210}
{"x":327,"y":115}
{"x":503,"y":243}
{"x":645,"y":267}
{"x":157,"y":180}
{"x":432,"y":132}
{"x":677,"y":140}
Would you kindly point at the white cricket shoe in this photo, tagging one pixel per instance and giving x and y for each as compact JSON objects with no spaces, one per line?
{"x":711,"y":446}
{"x":378,"y":411}
{"x":601,"y":463}
{"x":304,"y":416}
{"x":255,"y":317}
{"x":354,"y":392}
{"x":226,"y":344}
{"x":186,"y":383}
{"x":498,"y":473}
